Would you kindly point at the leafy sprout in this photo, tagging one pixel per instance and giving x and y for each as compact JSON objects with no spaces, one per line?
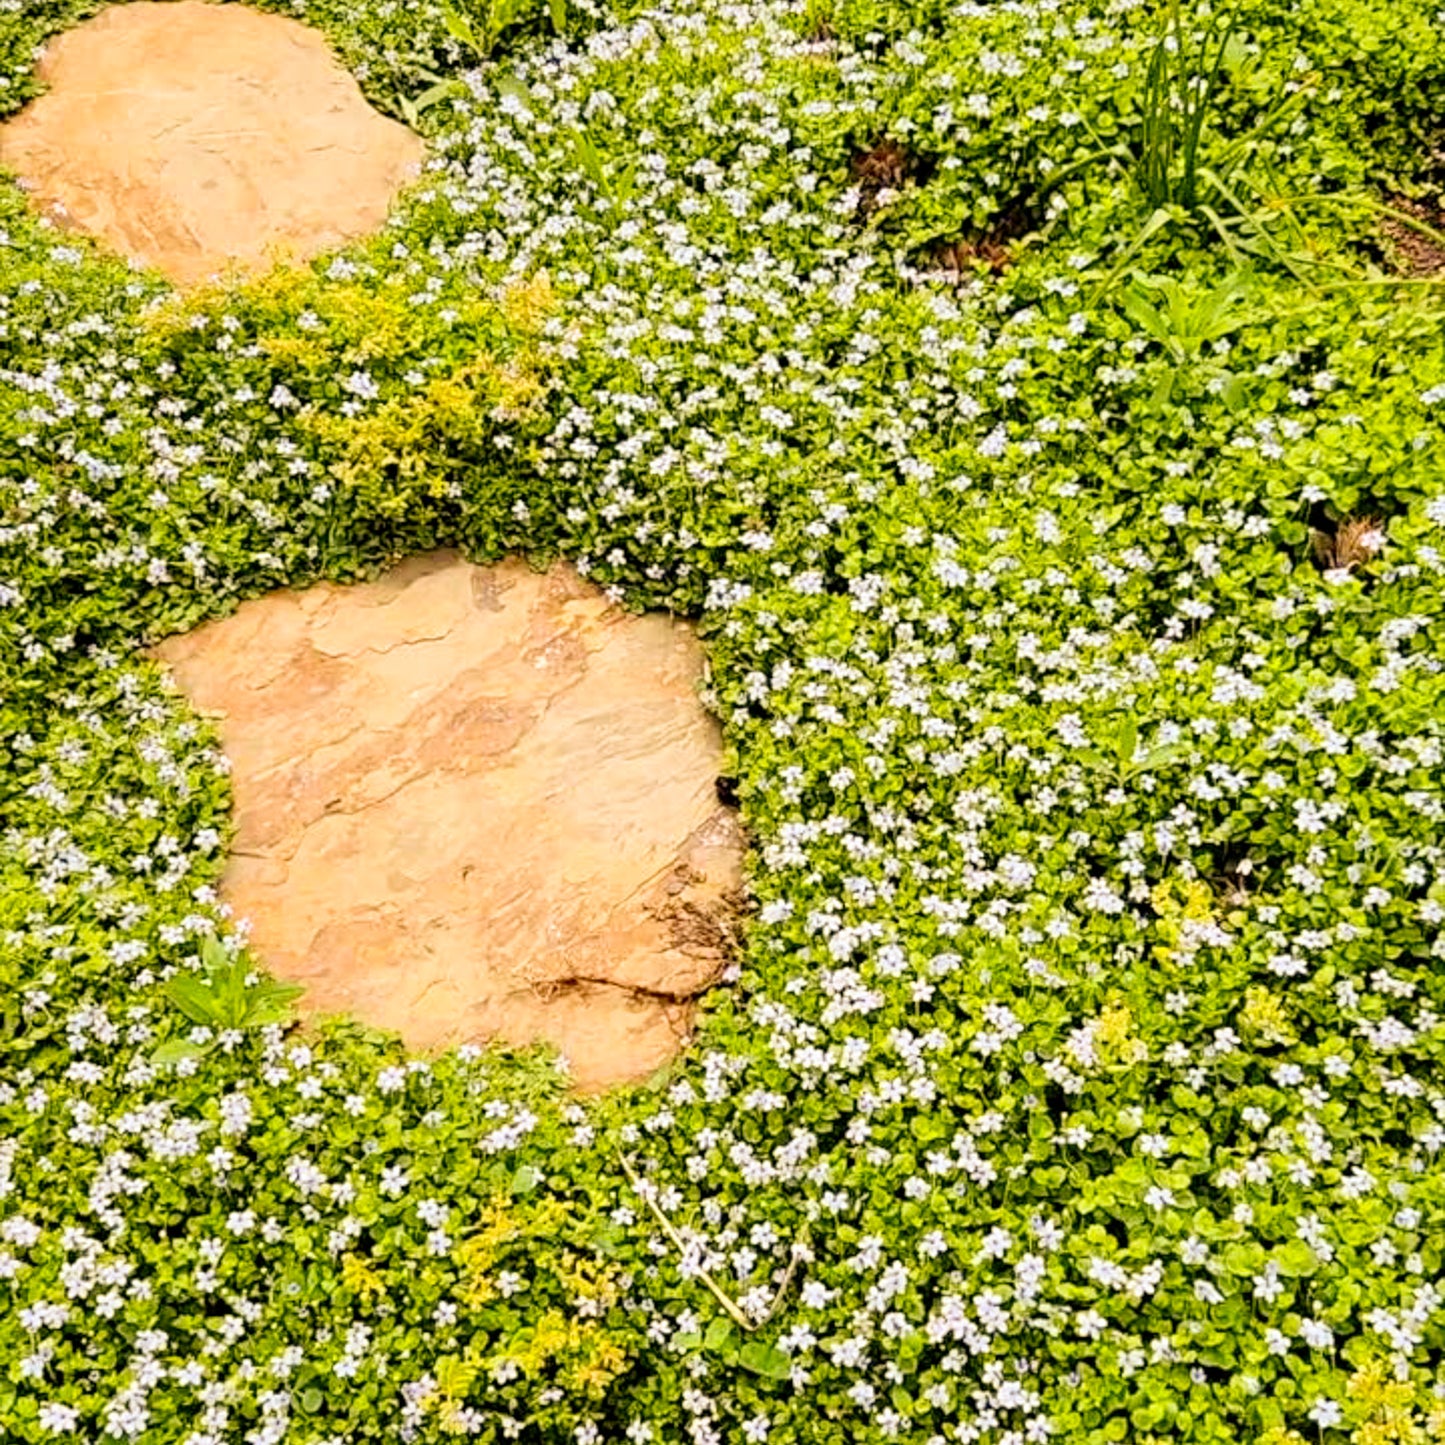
{"x":227,"y":995}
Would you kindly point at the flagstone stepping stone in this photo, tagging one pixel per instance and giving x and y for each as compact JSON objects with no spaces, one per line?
{"x":189,"y":135}
{"x":475,"y":803}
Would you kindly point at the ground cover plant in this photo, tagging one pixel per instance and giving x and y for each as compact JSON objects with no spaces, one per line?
{"x":1071,"y":578}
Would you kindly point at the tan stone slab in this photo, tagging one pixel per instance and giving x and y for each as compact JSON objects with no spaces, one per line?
{"x":188,"y":135}
{"x":475,"y":803}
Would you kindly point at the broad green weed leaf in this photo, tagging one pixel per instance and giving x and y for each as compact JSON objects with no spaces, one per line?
{"x":766,"y":1360}
{"x":1126,"y":741}
{"x":175,"y":1051}
{"x":195,"y":998}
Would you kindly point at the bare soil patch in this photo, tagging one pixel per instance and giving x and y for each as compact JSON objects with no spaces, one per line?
{"x":1416,"y":252}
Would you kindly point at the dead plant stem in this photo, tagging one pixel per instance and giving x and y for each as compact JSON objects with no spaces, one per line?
{"x":734,"y":1310}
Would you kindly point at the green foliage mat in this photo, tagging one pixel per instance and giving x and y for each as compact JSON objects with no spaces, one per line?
{"x":1074,"y":620}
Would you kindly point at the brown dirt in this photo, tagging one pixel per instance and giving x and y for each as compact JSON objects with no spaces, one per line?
{"x":1414,"y":253}
{"x":886,"y":164}
{"x":993,"y":250}
{"x":885,"y":167}
{"x":959,"y":258}
{"x":476,"y":803}
{"x":189,"y":135}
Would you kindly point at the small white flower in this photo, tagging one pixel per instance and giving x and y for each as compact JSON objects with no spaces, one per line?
{"x":58,"y":1419}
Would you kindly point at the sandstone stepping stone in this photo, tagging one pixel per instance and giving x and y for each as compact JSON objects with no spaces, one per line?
{"x":475,"y":803}
{"x":188,"y":135}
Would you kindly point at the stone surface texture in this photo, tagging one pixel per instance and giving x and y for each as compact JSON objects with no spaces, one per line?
{"x":475,"y":803}
{"x":188,"y":135}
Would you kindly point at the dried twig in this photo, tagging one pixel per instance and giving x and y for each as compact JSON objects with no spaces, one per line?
{"x":1352,"y":544}
{"x":734,"y":1310}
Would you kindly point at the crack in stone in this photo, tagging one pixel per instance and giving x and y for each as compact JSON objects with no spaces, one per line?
{"x":548,"y":989}
{"x":329,"y":812}
{"x":553,"y":698}
{"x":390,"y":647}
{"x":306,"y":755}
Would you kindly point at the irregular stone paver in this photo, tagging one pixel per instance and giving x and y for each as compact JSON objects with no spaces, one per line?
{"x":473,"y":803}
{"x":187,"y":135}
